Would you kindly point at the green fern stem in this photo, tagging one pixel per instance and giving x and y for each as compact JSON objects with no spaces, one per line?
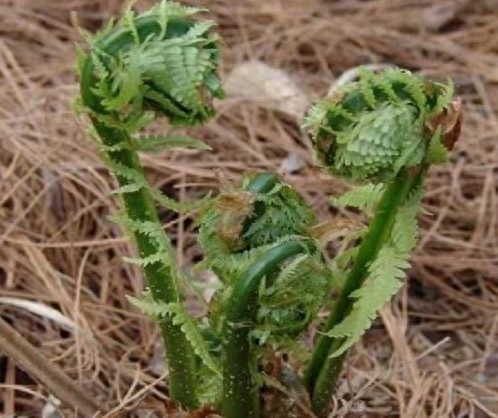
{"x":387,"y":127}
{"x":139,"y":205}
{"x":324,"y":370}
{"x":240,"y":389}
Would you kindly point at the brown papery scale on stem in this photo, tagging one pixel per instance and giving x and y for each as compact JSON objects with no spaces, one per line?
{"x":449,"y":121}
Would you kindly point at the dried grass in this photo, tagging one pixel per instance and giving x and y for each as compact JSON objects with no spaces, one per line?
{"x":435,"y":352}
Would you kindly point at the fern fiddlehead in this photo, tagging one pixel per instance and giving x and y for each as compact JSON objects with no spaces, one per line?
{"x":240,"y":389}
{"x":160,"y":63}
{"x":385,"y":129}
{"x":253,"y":236}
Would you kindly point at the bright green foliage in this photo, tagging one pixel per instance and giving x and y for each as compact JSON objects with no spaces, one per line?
{"x":285,"y":213}
{"x":159,"y":310}
{"x":382,"y":139}
{"x":385,"y":276}
{"x":405,"y":231}
{"x":159,"y":63}
{"x":437,"y":152}
{"x":168,"y":66}
{"x":240,"y":227}
{"x":135,"y":181}
{"x":363,"y":197}
{"x":371,"y":129}
{"x":293,"y":300}
{"x":383,"y":130}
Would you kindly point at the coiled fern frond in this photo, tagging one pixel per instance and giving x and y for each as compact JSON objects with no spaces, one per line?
{"x":371,"y":129}
{"x":243,"y":224}
{"x":258,"y":240}
{"x":384,"y":130}
{"x":160,"y":61}
{"x":241,"y":221}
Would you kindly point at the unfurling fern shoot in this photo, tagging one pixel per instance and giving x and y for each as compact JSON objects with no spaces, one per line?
{"x":274,"y":279}
{"x":383,"y":132}
{"x":259,"y":238}
{"x":160,"y":63}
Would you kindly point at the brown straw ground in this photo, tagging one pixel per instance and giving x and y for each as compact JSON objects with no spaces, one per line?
{"x":433,"y":353}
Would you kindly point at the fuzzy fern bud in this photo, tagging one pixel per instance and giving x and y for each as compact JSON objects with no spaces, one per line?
{"x":160,"y":61}
{"x":244,"y":219}
{"x":386,"y":129}
{"x":244,"y":224}
{"x":371,"y":129}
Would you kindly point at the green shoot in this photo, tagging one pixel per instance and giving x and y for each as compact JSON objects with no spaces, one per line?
{"x":396,"y":126}
{"x":157,"y":63}
{"x":260,"y":238}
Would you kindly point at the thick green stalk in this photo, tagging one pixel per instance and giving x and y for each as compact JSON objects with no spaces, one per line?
{"x":324,"y":370}
{"x":139,"y":206}
{"x":240,"y":389}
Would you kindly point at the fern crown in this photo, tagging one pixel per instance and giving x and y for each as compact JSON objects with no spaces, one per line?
{"x":240,"y":226}
{"x":372,"y":128}
{"x":239,"y":220}
{"x":160,"y":61}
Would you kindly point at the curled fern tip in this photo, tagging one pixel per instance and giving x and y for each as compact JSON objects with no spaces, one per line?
{"x":161,"y":61}
{"x":372,"y":128}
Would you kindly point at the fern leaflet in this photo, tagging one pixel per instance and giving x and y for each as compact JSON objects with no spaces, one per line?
{"x":385,"y":275}
{"x":159,"y":310}
{"x":437,"y":153}
{"x":404,"y":234}
{"x":363,"y":197}
{"x":385,"y":279}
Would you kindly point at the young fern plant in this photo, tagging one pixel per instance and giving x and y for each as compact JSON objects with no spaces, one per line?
{"x":160,"y":63}
{"x":260,"y":237}
{"x":260,"y":243}
{"x":382,"y":132}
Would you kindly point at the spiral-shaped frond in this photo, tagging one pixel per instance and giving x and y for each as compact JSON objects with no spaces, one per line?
{"x":370,"y":129}
{"x":244,"y":221}
{"x":160,"y":61}
{"x":244,"y":224}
